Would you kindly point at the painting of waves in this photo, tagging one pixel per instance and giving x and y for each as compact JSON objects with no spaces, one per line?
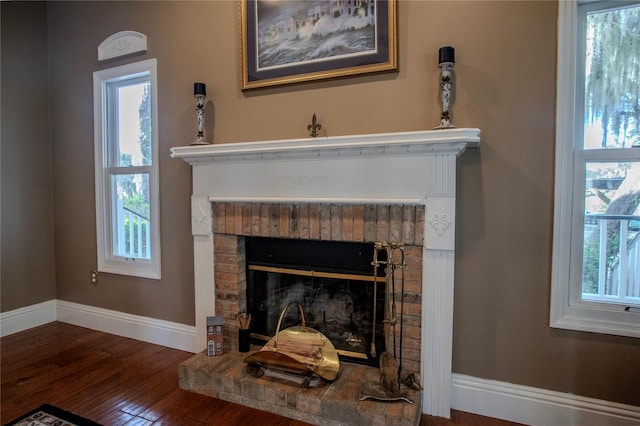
{"x":302,"y":32}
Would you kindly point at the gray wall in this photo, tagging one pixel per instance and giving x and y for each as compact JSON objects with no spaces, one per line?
{"x":28,"y":268}
{"x":505,"y":85}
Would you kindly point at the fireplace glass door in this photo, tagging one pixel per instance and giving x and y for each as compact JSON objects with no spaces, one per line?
{"x":333,"y":282}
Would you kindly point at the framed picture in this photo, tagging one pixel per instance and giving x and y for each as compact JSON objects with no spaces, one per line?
{"x":290,"y":41}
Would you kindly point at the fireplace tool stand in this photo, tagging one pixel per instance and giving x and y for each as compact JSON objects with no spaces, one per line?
{"x":390,"y":369}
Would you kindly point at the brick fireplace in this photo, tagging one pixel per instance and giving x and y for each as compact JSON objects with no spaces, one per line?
{"x":397,"y":187}
{"x":311,"y":221}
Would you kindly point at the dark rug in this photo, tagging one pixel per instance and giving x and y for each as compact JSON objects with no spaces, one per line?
{"x":48,"y":415}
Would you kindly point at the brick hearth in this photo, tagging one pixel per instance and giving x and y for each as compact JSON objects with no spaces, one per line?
{"x":329,"y":404}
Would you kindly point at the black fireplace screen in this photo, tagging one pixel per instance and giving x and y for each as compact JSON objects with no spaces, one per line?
{"x":334,"y":283}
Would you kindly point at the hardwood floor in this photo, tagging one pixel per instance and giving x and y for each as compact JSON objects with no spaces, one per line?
{"x":118,"y":381}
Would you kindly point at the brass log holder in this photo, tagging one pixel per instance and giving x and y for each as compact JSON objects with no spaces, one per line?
{"x":300,"y":354}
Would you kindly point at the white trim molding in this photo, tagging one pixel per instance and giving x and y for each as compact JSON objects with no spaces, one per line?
{"x":534,"y":406}
{"x":122,"y":43}
{"x":150,"y":330}
{"x":28,"y":317}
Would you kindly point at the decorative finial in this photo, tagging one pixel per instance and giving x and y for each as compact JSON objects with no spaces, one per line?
{"x":314,"y":127}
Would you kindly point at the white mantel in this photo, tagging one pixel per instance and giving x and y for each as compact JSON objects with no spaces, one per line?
{"x":392,"y":168}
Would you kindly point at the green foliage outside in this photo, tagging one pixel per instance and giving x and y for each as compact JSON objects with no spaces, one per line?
{"x":136,"y":195}
{"x":612,"y":98}
{"x":612,"y":93}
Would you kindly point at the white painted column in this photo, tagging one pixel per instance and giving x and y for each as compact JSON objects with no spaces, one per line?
{"x":204,"y":288}
{"x":438,"y":265}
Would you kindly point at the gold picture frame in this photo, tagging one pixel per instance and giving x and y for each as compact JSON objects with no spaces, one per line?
{"x":289,"y":42}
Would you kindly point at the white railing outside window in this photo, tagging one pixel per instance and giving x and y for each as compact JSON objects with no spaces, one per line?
{"x":618,"y":261}
{"x":134,"y":238}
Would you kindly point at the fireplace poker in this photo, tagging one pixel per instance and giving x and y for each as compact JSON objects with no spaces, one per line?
{"x":402,"y":266}
{"x":390,"y":319}
{"x":374,"y":262}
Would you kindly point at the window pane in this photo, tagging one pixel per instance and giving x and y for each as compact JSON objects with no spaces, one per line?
{"x":611,"y":260}
{"x":131,"y":220}
{"x":612,"y":77}
{"x":134,"y":125}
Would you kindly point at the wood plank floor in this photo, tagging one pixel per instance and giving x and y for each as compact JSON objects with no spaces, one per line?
{"x":118,"y":381}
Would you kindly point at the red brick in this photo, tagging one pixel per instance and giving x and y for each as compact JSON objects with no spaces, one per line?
{"x":410,"y":344}
{"x":222,"y":285}
{"x":284,"y":220}
{"x":412,"y":309}
{"x":274,"y":220}
{"x":370,"y":223}
{"x":314,"y":221}
{"x":255,"y":219}
{"x":411,"y":332}
{"x":225,"y":242}
{"x":347,"y":222}
{"x":231,"y":267}
{"x":237,"y":218}
{"x":408,"y":224}
{"x":228,"y":217}
{"x":382,"y":223}
{"x":294,"y":221}
{"x":420,"y":215}
{"x":358,"y":223}
{"x":219,"y":218}
{"x":229,"y":260}
{"x":265,"y":221}
{"x":303,"y":221}
{"x":246,"y":219}
{"x":395,"y":223}
{"x":336,"y":222}
{"x":325,"y":221}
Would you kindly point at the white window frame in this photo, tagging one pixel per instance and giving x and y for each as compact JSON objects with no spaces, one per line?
{"x":107,"y":260}
{"x":568,"y":310}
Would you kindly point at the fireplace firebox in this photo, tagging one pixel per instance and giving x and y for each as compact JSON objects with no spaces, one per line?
{"x":333,"y":282}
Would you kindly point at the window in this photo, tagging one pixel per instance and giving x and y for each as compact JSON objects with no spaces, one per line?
{"x":126,"y":169}
{"x":596,"y":242}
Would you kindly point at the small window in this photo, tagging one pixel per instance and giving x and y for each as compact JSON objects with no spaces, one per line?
{"x":596,"y":258}
{"x":126,"y":169}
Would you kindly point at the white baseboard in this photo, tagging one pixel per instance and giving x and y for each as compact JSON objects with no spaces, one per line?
{"x":534,"y":406}
{"x":28,"y":317}
{"x":150,"y":330}
{"x":159,"y":332}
